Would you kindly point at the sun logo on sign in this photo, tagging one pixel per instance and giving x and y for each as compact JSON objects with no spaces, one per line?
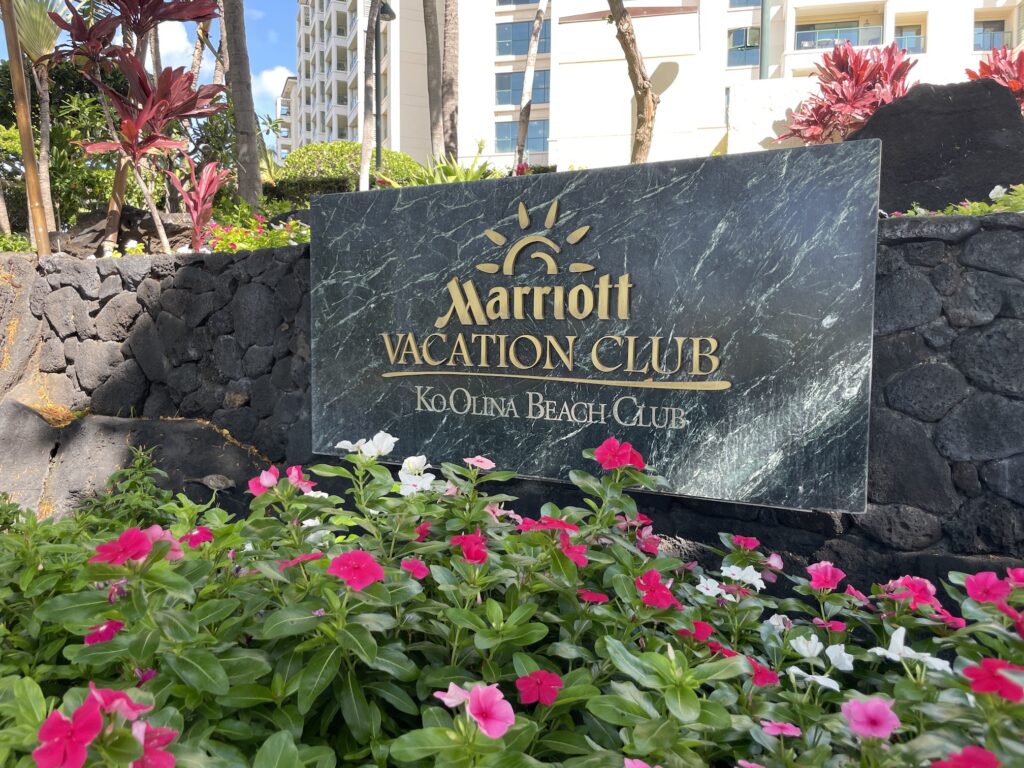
{"x":546,"y":254}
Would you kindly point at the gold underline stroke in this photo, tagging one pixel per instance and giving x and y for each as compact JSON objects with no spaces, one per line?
{"x":702,"y":386}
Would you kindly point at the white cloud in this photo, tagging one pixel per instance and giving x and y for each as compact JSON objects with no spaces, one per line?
{"x":255,"y":14}
{"x":267,"y":86}
{"x":175,"y":45}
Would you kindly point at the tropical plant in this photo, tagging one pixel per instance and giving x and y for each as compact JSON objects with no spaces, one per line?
{"x":269,"y":126}
{"x":433,"y":72}
{"x":450,"y":77}
{"x":250,"y":185}
{"x":255,"y":235}
{"x":853,"y":84}
{"x":644,"y":96}
{"x":1006,"y":68}
{"x":14,"y":243}
{"x":422,"y":621}
{"x":526,"y":99}
{"x":199,"y":196}
{"x":448,"y":170}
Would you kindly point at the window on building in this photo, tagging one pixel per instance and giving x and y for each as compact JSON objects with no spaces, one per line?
{"x":832,"y":33}
{"x":744,"y":3}
{"x":744,"y":47}
{"x":505,"y":134}
{"x":285,"y":110}
{"x":517,"y":2}
{"x":508,"y":87}
{"x":990,"y":34}
{"x":285,"y":132}
{"x":910,"y":38}
{"x":514,"y":38}
{"x":284,"y":153}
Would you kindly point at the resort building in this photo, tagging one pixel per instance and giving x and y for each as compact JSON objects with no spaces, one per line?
{"x":286,"y":138}
{"x":704,"y":58}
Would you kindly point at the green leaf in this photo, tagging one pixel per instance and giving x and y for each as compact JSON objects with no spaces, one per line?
{"x":145,"y":644}
{"x":586,"y":482}
{"x":357,"y":638}
{"x":394,"y":696}
{"x":525,"y":634}
{"x":354,"y":707}
{"x":320,"y":671}
{"x":100,"y":654}
{"x":509,"y":759}
{"x":723,"y":669}
{"x":30,"y":705}
{"x":278,"y":751}
{"x":655,"y":735}
{"x":425,"y":744}
{"x":179,"y":626}
{"x":376,"y":622}
{"x":287,"y":622}
{"x":617,"y":710}
{"x":566,"y":743}
{"x":244,"y":665}
{"x":122,"y":748}
{"x":199,"y":669}
{"x":213,"y":611}
{"x":495,"y":614}
{"x":682,"y":703}
{"x":78,"y":608}
{"x":465,"y":619}
{"x":391,"y":660}
{"x":629,"y":664}
{"x":243,"y":696}
{"x":174,"y":584}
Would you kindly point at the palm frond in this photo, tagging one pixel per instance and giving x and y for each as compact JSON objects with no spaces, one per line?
{"x":36,"y":31}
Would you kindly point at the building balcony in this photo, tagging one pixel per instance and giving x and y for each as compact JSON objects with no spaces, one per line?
{"x":914,"y":44}
{"x":987,"y":41}
{"x":817,"y":39}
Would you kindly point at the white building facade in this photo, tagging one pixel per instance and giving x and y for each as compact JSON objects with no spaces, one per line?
{"x":702,"y":55}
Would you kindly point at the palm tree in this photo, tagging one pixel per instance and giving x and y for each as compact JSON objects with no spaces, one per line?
{"x":38,"y":35}
{"x":368,"y":133}
{"x":250,"y":186}
{"x":450,"y":78}
{"x":526,"y":100}
{"x":223,"y":60}
{"x":202,"y":38}
{"x":433,"y":77}
{"x":645,"y":97}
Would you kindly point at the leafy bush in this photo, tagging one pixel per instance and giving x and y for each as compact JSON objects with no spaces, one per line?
{"x":325,"y":168}
{"x":257,"y":236}
{"x":447,"y":170}
{"x":1006,"y":68}
{"x":853,"y":84}
{"x":424,"y":622}
{"x":14,"y":243}
{"x":1003,"y":200}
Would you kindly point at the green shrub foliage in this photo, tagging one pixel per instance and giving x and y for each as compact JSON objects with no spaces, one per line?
{"x":325,"y":168}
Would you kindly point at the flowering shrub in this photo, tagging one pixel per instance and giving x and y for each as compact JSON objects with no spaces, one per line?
{"x":14,"y":243}
{"x":427,"y":622}
{"x":1002,"y":200}
{"x":258,"y":235}
{"x":853,"y":84}
{"x":1006,"y":68}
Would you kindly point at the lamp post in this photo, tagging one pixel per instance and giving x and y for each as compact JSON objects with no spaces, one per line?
{"x":387,"y":13}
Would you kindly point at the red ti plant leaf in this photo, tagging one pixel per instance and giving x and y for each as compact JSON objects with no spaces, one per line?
{"x":1005,"y":68}
{"x":199,"y":197}
{"x":141,"y":16}
{"x":89,"y":41}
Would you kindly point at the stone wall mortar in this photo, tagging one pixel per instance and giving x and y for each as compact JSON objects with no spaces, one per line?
{"x":225,"y":338}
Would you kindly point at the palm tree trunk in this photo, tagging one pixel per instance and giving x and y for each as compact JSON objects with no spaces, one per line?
{"x":433,"y":77}
{"x":250,"y":186}
{"x":154,"y":49}
{"x":202,"y":34}
{"x":42,"y":78}
{"x":526,"y":100}
{"x":5,"y":220}
{"x":223,"y":64}
{"x":368,"y":133}
{"x":643,"y":93}
{"x":450,"y":78}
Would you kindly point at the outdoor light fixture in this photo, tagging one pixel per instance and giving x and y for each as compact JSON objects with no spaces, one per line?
{"x":387,"y":13}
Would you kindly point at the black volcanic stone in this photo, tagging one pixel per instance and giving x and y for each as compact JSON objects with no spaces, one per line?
{"x":1006,"y":477}
{"x":123,"y":393}
{"x":1000,"y":251}
{"x":982,"y":427}
{"x":905,"y":467}
{"x":987,"y":524}
{"x":945,"y":143}
{"x":993,"y":357}
{"x":905,"y":299}
{"x":976,"y":299}
{"x":927,"y":392}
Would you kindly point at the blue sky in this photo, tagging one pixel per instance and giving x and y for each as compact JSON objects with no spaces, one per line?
{"x":270,"y":32}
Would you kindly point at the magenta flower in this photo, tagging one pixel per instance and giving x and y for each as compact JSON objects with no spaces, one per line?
{"x":422,"y":531}
{"x":762,"y":675}
{"x":647,"y":542}
{"x":947,"y":618}
{"x":856,"y":594}
{"x":986,"y":587}
{"x":153,"y":741}
{"x":104,"y":632}
{"x":987,"y":677}
{"x":871,"y":718}
{"x":284,"y":565}
{"x":296,"y":478}
{"x":748,"y":764}
{"x":824,"y":575}
{"x":773,"y":728}
{"x":577,"y":553}
{"x":358,"y":569}
{"x":546,"y":523}
{"x":653,"y":593}
{"x":969,"y":757}
{"x":831,"y":626}
{"x":473,"y":545}
{"x":493,"y":715}
{"x":480,"y":462}
{"x":745,"y":542}
{"x":132,"y":544}
{"x":540,"y":686}
{"x":590,"y":596}
{"x":415,"y":567}
{"x":263,"y":482}
{"x":118,"y":702}
{"x":1015,"y":576}
{"x":200,"y":535}
{"x":155,"y":533}
{"x":453,"y":697}
{"x":144,"y":675}
{"x":612,"y":454}
{"x":915,"y":589}
{"x":65,"y":741}
{"x":632,"y":762}
{"x":701,"y":631}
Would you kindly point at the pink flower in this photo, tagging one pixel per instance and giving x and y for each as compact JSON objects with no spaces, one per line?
{"x":155,"y":533}
{"x":1017,"y":617}
{"x":451,"y":490}
{"x":498,"y":512}
{"x":951,"y":621}
{"x":132,"y":544}
{"x":919,"y":591}
{"x":118,"y":702}
{"x":589,"y":596}
{"x":831,"y":626}
{"x":492,"y":713}
{"x":986,"y":587}
{"x":263,"y":482}
{"x":546,"y":523}
{"x":415,"y":567}
{"x":625,"y":523}
{"x":774,"y":561}
{"x":474,"y":547}
{"x":773,"y":728}
{"x":296,"y":478}
{"x":358,"y":569}
{"x":746,"y":542}
{"x":855,"y":593}
{"x":716,"y":647}
{"x":284,"y":565}
{"x":144,"y":675}
{"x":153,"y":741}
{"x":631,"y":762}
{"x":871,"y":718}
{"x":65,"y":741}
{"x":762,"y":675}
{"x":824,"y":575}
{"x":987,"y":677}
{"x":542,"y":686}
{"x":612,"y":454}
{"x":117,"y":590}
{"x":577,"y":553}
{"x":453,"y":697}
{"x":647,"y":542}
{"x":104,"y":632}
{"x":969,"y":757}
{"x":748,"y":764}
{"x":701,"y":631}
{"x":200,"y":535}
{"x":655,"y":594}
{"x":422,"y":531}
{"x":480,"y":462}
{"x":1015,"y":576}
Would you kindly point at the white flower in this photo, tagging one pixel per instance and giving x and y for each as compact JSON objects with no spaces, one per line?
{"x":316,"y":536}
{"x":317,"y":495}
{"x":840,"y":659}
{"x":135,"y":243}
{"x":415,"y":465}
{"x":748,"y":575}
{"x":823,"y":680}
{"x":781,"y":622}
{"x":997,"y":192}
{"x":898,"y":651}
{"x":808,"y":646}
{"x":380,"y":444}
{"x":346,"y":445}
{"x":414,"y":483}
{"x":712,"y":588}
